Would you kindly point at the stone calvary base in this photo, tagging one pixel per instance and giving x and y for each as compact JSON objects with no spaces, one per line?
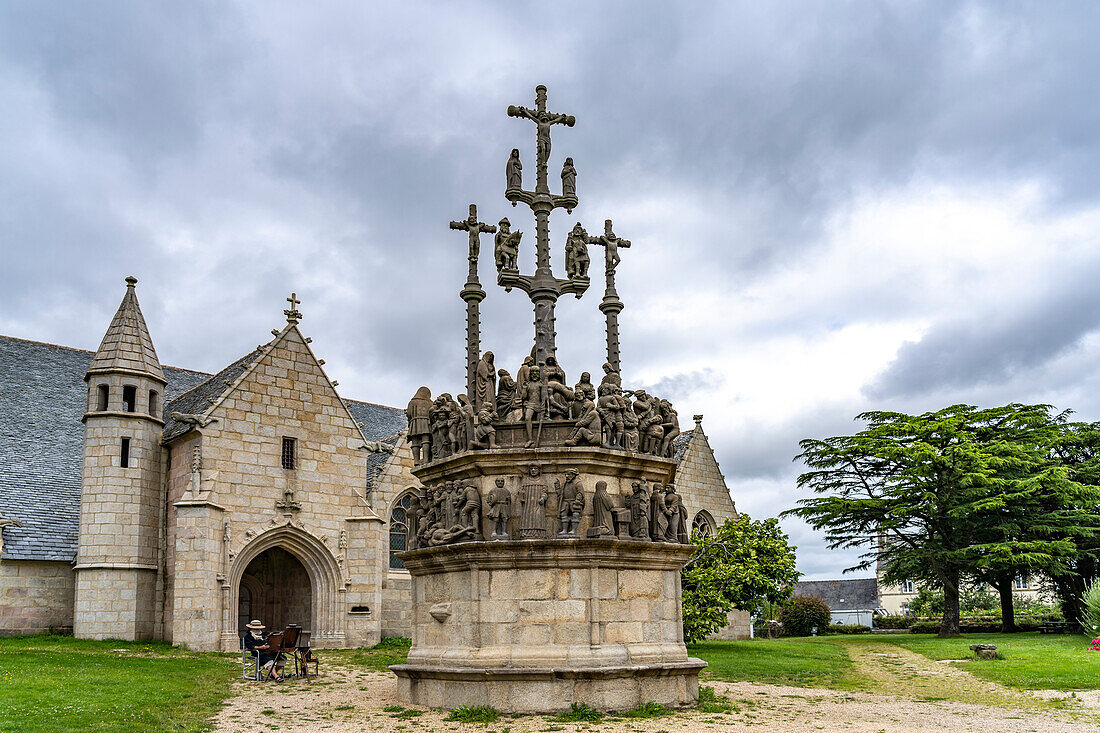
{"x":142,"y":501}
{"x":517,"y":612}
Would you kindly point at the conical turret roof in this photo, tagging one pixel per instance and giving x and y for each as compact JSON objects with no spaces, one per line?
{"x":127,"y":345}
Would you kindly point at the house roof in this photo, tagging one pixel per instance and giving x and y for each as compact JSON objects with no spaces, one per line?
{"x":858,"y":594}
{"x":127,"y":345}
{"x":42,"y":400}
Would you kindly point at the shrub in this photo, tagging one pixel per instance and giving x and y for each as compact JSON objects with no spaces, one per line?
{"x":893,"y":622}
{"x":802,"y":614}
{"x":1090,"y":608}
{"x":648,"y":710}
{"x":474,"y":714}
{"x":847,"y":629}
{"x":579,"y":713}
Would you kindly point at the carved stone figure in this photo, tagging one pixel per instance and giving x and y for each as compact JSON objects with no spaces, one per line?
{"x":506,"y":246}
{"x":464,"y":426}
{"x":523,"y":375}
{"x":631,"y":436}
{"x":587,"y":430}
{"x":532,"y":399}
{"x":571,"y":503}
{"x":676,"y":529}
{"x":603,"y":515}
{"x":558,"y":394}
{"x":639,"y":511}
{"x":470,"y":515}
{"x":585,"y":388}
{"x":506,"y":394}
{"x":443,"y":421}
{"x":514,"y":171}
{"x":670,"y":423}
{"x":420,"y":431}
{"x":658,"y":518}
{"x":532,"y":498}
{"x":485,"y":379}
{"x":610,"y":406}
{"x":499,"y":502}
{"x":412,"y":520}
{"x":484,"y":432}
{"x":568,"y":179}
{"x":576,"y":253}
{"x":611,"y":376}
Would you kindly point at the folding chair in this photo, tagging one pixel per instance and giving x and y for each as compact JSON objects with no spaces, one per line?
{"x":303,"y":657}
{"x":249,"y":658}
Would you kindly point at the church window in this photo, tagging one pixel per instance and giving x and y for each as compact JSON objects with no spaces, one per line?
{"x":124,"y":453}
{"x":289,"y":445}
{"x":399,"y":531}
{"x":102,"y":394}
{"x":129,"y":398}
{"x":702,"y":525}
{"x":154,"y":399}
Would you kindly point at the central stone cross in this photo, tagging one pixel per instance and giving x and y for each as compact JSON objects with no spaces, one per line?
{"x":543,"y":288}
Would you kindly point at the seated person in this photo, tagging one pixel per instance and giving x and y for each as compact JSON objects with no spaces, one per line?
{"x":255,"y":640}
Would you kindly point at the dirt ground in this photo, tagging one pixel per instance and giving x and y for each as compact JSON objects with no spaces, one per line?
{"x":919,"y":695}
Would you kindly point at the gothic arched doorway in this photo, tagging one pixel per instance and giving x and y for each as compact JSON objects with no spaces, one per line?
{"x":275,"y":588}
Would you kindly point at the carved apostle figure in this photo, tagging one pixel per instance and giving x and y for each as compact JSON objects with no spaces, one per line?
{"x":576,"y":253}
{"x":587,"y":430}
{"x":558,"y":394}
{"x":442,"y":427}
{"x":506,"y":246}
{"x":571,"y":504}
{"x":603,"y":514}
{"x":585,"y":388}
{"x":420,"y":431}
{"x":523,"y":375}
{"x":611,"y":376}
{"x":464,"y":432}
{"x":677,"y":527}
{"x":514,"y":171}
{"x":610,"y":407}
{"x":533,"y":493}
{"x":499,"y":502}
{"x":568,"y":179}
{"x":412,"y":520}
{"x":485,"y":382}
{"x":631,"y":436}
{"x":506,"y":394}
{"x":639,"y":511}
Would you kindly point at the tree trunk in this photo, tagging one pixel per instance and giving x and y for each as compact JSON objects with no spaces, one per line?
{"x":949,"y":625}
{"x":1003,"y":584}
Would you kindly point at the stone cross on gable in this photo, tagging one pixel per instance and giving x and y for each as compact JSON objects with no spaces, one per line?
{"x":293,"y":315}
{"x":476,"y":229}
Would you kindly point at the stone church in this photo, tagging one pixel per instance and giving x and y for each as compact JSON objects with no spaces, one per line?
{"x":141,"y":501}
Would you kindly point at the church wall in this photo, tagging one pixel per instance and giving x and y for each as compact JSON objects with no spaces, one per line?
{"x":179,"y":479}
{"x":35,"y":597}
{"x":395,"y":479}
{"x":700,"y":482}
{"x":286,"y":394}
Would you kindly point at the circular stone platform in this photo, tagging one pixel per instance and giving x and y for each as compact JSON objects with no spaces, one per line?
{"x":531,"y":626}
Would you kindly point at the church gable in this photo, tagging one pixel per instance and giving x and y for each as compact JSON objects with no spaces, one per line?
{"x":699,"y":479}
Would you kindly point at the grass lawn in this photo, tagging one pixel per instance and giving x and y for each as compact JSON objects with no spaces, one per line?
{"x":51,"y":684}
{"x":394,"y":650}
{"x":1032,"y":661}
{"x":807,"y":662}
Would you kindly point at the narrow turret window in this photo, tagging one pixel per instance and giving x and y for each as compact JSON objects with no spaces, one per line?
{"x":129,"y":398}
{"x":124,"y":454}
{"x":153,"y":402}
{"x":102,"y":395}
{"x":289,"y":444}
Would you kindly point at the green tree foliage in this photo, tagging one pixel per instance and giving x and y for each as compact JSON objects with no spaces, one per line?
{"x":744,"y":564}
{"x":948,"y":496}
{"x":1078,"y":449}
{"x":1090,"y":607}
{"x":802,"y":614}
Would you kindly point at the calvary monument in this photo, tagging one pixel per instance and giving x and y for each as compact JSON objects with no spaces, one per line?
{"x":546,"y":544}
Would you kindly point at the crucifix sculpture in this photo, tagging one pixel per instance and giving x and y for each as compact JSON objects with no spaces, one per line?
{"x":543,"y":288}
{"x":611,"y":306}
{"x":472,"y":294}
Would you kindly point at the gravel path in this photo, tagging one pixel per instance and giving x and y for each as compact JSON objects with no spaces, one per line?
{"x":352,"y":699}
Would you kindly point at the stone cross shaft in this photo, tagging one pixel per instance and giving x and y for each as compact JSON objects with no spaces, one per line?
{"x":472,"y":294}
{"x":293,"y":315}
{"x":611,"y":306}
{"x":542,"y":287}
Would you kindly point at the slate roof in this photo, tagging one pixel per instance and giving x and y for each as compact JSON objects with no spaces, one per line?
{"x":127,"y":344}
{"x":680,"y":444}
{"x":199,"y":399}
{"x":42,"y":400}
{"x":859,"y":594}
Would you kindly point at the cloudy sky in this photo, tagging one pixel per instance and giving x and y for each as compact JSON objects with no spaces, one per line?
{"x":833,"y":206}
